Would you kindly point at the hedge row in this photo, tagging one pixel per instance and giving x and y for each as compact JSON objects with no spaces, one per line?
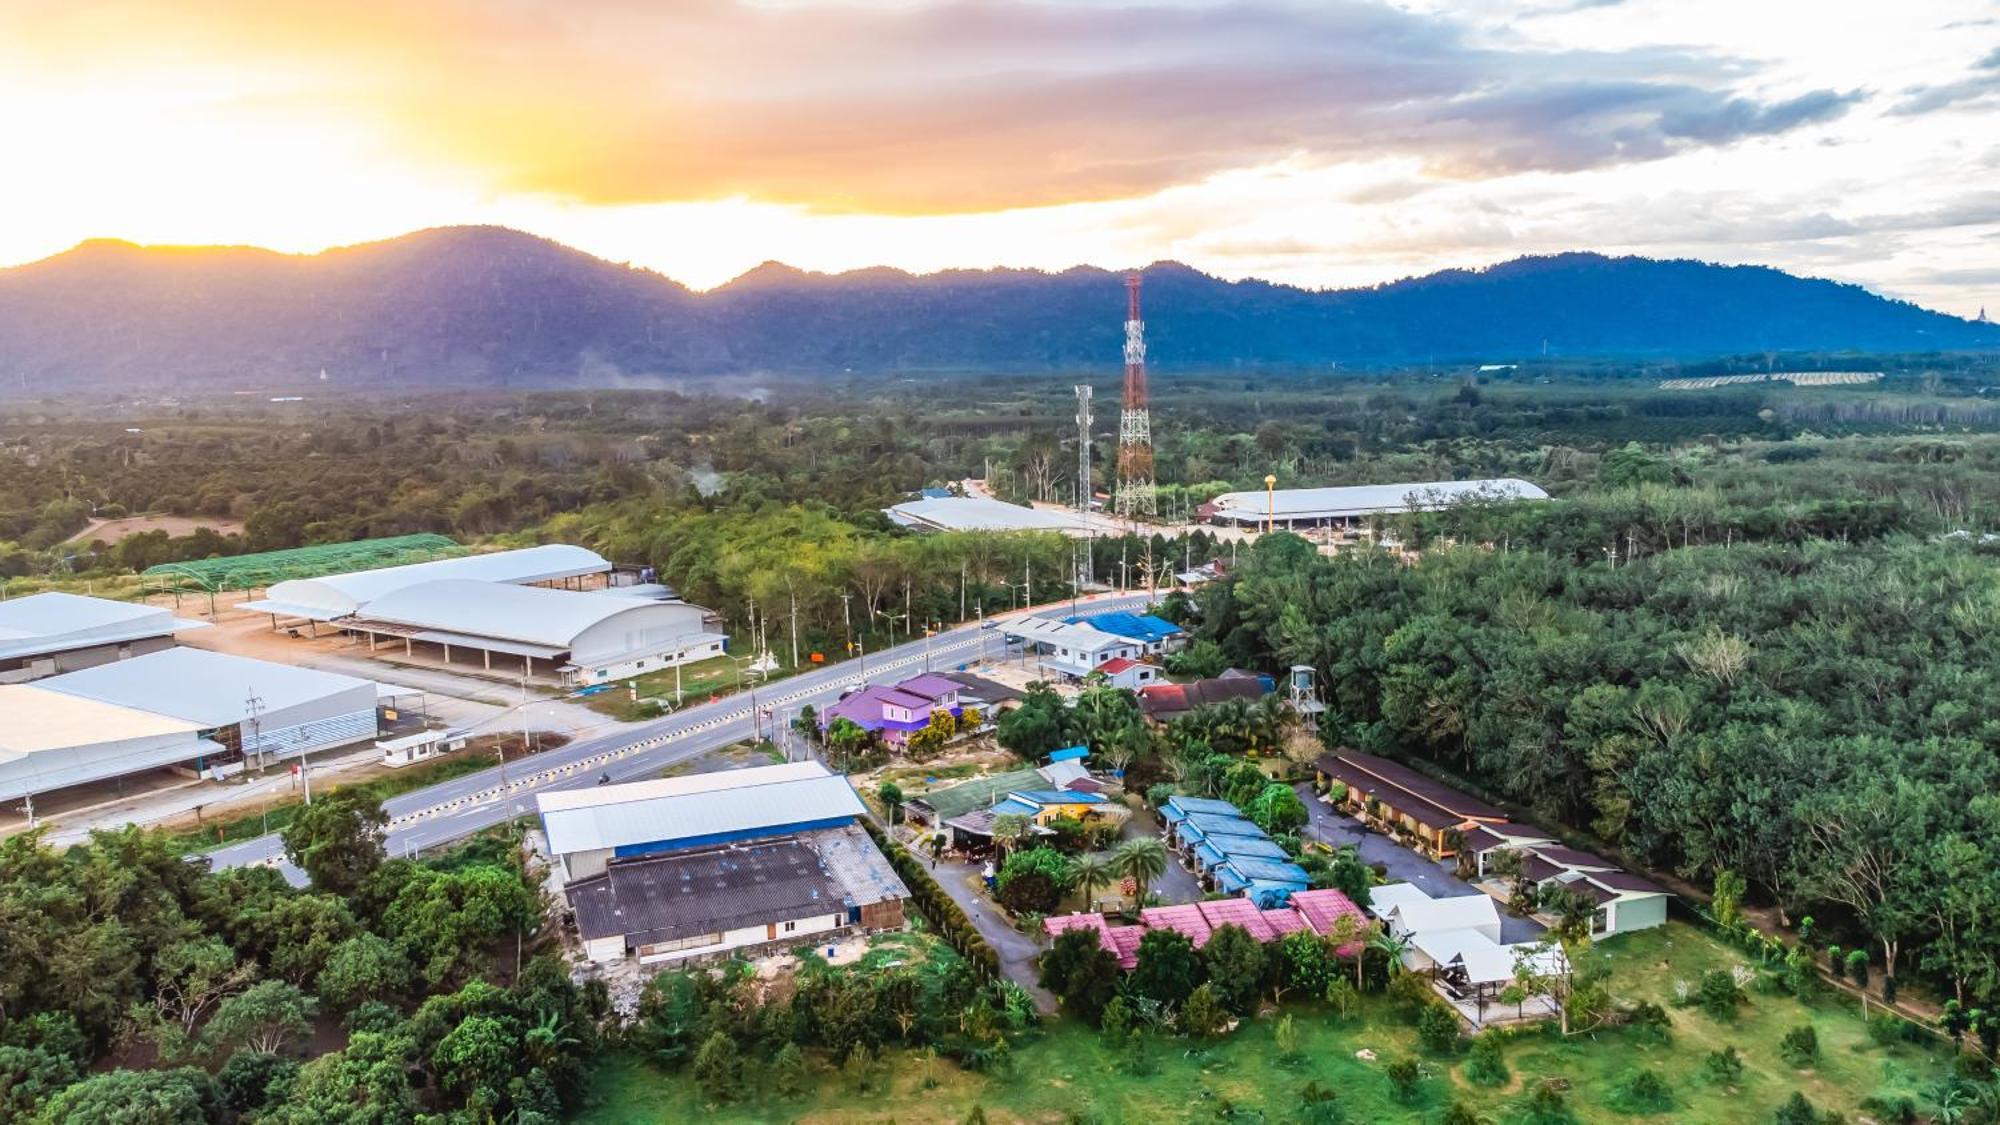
{"x":944,"y":912}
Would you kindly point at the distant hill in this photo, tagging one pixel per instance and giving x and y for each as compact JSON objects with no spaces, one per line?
{"x":493,"y":307}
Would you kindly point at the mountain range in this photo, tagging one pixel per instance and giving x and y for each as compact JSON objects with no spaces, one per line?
{"x":486,"y":306}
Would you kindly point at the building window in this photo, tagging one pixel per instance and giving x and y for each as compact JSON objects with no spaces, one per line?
{"x":790,"y":926}
{"x":678,"y":944}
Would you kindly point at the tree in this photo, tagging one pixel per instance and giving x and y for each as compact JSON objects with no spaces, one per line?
{"x":1643,"y":1091}
{"x":337,"y":841}
{"x":263,"y":1017}
{"x":1277,"y":809}
{"x":251,"y":1080}
{"x":1204,"y":1016}
{"x":789,"y":1075}
{"x":1723,"y":1067}
{"x":1800,"y":1046}
{"x":1235,"y":964}
{"x":1081,"y":973}
{"x":1437,"y":1029}
{"x":847,"y":740}
{"x":153,"y":1097}
{"x":1091,"y":872}
{"x":477,"y":1057}
{"x":1141,"y":859}
{"x":189,"y":979}
{"x":891,"y":796}
{"x":364,"y":967}
{"x":1037,"y":726}
{"x":1008,"y":830}
{"x":1167,"y":970}
{"x":1403,"y":1074}
{"x":1796,"y":1111}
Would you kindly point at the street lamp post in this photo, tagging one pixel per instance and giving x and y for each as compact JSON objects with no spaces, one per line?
{"x":1271,"y":502}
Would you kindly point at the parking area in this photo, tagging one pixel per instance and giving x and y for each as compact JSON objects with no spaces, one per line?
{"x":1401,"y":864}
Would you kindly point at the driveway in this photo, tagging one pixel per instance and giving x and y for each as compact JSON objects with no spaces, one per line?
{"x":1405,"y":866}
{"x":1017,"y":950}
{"x":1176,"y":884}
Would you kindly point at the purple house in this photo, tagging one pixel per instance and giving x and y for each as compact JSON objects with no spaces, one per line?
{"x":891,"y":712}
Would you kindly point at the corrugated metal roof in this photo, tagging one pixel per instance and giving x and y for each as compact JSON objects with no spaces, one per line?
{"x":532,"y":615}
{"x":1356,"y":500}
{"x":210,"y":688}
{"x":979,"y":513}
{"x":347,"y":593}
{"x":752,"y":804}
{"x":55,"y":622}
{"x":38,"y":719}
{"x":562,"y":800}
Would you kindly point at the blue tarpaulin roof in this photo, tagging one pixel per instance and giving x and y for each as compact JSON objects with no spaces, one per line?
{"x":1012,"y":807}
{"x":1070,"y":754}
{"x":1138,"y":626}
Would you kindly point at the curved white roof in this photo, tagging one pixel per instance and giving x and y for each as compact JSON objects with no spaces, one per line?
{"x":979,"y":513}
{"x":338,"y":595}
{"x":1357,"y":500}
{"x":210,"y":688}
{"x":534,"y":615}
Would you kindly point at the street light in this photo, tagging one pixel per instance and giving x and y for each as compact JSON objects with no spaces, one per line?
{"x":1271,"y":496}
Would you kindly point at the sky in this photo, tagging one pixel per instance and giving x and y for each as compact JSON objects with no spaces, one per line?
{"x":1328,"y":143}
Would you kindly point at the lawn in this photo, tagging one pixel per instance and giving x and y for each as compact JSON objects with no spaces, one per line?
{"x":1068,"y":1073}
{"x":716,"y":676}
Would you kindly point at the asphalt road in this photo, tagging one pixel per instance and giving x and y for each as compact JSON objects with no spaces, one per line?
{"x":424,"y":819}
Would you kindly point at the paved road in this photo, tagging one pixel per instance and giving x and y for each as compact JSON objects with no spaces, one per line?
{"x":1404,"y":865}
{"x":1018,"y":951}
{"x":449,"y":811}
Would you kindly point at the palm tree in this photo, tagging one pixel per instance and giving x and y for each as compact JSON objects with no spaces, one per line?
{"x":1141,"y":859}
{"x":1389,"y":945}
{"x":1351,"y":930}
{"x":1009,"y":829}
{"x":1091,"y":872}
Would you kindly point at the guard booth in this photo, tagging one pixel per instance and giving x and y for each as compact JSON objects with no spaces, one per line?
{"x":422,"y":746}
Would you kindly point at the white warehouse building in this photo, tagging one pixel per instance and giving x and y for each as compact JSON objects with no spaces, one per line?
{"x":1326,"y":507}
{"x":52,"y":741}
{"x":335,"y":596}
{"x":49,"y":634}
{"x":584,"y":637}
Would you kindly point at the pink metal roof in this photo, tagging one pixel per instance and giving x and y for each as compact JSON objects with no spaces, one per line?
{"x":1125,"y":939}
{"x":1320,"y":908}
{"x":1058,"y":924}
{"x":1237,"y":912}
{"x":1283,"y":921}
{"x":1185,"y":920}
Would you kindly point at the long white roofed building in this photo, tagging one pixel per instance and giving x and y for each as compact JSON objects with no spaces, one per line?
{"x":584,"y":637}
{"x":49,"y":634}
{"x":334,"y":596}
{"x":1326,"y":507}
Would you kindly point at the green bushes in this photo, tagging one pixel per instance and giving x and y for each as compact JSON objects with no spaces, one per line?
{"x":1486,"y":1063}
{"x":1800,"y":1046}
{"x":1437,"y":1029}
{"x":943,"y":911}
{"x":1642,"y":1091}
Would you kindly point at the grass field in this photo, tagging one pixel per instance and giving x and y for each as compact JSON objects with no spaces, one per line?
{"x":1068,"y":1073}
{"x":698,"y":681}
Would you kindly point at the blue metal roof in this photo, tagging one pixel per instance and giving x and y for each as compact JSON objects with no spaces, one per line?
{"x":1070,"y":754}
{"x":1180,"y":806}
{"x":1255,"y":870}
{"x":1138,"y":626}
{"x":1013,"y":807}
{"x":1200,"y":826}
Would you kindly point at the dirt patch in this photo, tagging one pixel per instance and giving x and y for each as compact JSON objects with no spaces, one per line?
{"x":113,"y":532}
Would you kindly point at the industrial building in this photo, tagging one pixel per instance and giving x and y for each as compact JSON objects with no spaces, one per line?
{"x":252,"y":708}
{"x":336,"y":596}
{"x":1157,"y":634}
{"x":51,"y":741}
{"x":585,"y":637}
{"x":49,"y":634}
{"x":1294,"y":508}
{"x":980,"y":513}
{"x":693,"y":866}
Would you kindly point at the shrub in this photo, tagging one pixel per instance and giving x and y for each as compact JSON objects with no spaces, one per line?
{"x":1545,"y":1105}
{"x":1643,"y":1091}
{"x":1486,"y":1062}
{"x":1460,"y":1113}
{"x":1718,"y":994}
{"x":1204,"y":1016}
{"x":1437,"y":1029}
{"x":1319,"y":1105}
{"x":1341,"y":998}
{"x":1724,"y":1067}
{"x":1800,"y":1046}
{"x":1650,"y":1022}
{"x":1403,"y":1076}
{"x":1857,"y":967}
{"x":718,"y":1068}
{"x":1796,"y":1111}
{"x":1410,"y":994}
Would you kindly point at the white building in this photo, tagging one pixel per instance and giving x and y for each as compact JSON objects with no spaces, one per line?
{"x":1326,"y":507}
{"x":49,"y":634}
{"x":980,"y":513}
{"x":250,"y":706}
{"x":1072,"y":651}
{"x":588,"y":637}
{"x":334,"y":596}
{"x":51,"y":741}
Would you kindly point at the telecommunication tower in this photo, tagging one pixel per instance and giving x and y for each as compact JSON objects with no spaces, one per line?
{"x":1136,"y":495}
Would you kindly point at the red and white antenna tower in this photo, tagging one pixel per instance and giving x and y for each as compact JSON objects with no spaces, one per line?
{"x":1136,"y":493}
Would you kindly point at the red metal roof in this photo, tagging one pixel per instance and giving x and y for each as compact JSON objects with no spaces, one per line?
{"x":1320,"y":908}
{"x":1185,"y":920}
{"x":1237,"y":912}
{"x":1116,"y":665}
{"x":1126,"y":941}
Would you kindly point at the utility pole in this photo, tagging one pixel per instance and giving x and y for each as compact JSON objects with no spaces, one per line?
{"x":846,"y":622}
{"x":1083,"y":420}
{"x":795,"y":622}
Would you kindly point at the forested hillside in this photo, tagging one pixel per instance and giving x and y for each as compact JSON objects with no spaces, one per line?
{"x":493,"y":307}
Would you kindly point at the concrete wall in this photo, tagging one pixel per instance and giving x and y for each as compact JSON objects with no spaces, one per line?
{"x":582,"y":865}
{"x":1637,"y":914}
{"x":22,"y":670}
{"x":778,"y":931}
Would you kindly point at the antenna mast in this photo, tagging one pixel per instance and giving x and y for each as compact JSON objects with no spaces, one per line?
{"x":1136,"y":494}
{"x":1086,"y":565}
